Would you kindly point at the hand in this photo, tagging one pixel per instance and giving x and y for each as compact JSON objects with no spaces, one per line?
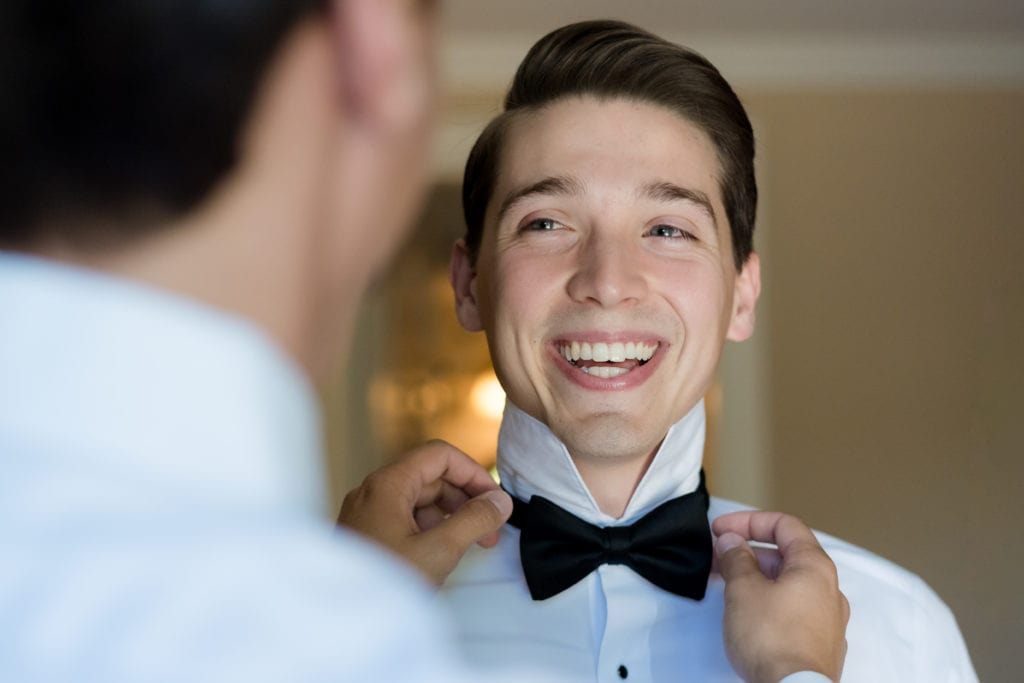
{"x":784,"y":612}
{"x":429,"y":507}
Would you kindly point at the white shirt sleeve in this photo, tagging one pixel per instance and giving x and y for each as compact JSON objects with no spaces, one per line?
{"x":806,"y":677}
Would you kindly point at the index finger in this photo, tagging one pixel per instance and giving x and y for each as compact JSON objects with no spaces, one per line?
{"x":792,"y":536}
{"x":437,"y":463}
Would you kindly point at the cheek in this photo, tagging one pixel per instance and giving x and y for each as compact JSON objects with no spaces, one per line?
{"x":523,"y":288}
{"x":700,"y":298}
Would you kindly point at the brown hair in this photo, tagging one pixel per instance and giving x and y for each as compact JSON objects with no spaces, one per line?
{"x":612,"y":59}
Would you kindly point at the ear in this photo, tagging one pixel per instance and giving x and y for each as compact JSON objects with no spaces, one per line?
{"x":462,"y":276}
{"x":379,"y":60}
{"x":746,"y":290}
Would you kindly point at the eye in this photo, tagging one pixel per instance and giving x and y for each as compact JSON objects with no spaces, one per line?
{"x":542,"y":224}
{"x":670,"y":231}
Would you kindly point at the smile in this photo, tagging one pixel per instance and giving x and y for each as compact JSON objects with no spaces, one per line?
{"x":607,"y":360}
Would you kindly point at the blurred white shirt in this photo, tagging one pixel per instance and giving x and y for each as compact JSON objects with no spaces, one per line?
{"x":614,"y":626}
{"x":161,"y":504}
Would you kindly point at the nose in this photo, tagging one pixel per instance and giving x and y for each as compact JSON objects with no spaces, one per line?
{"x":607,"y":273}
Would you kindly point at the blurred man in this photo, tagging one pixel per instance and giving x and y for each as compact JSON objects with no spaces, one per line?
{"x":608,"y":257}
{"x":196,"y":195}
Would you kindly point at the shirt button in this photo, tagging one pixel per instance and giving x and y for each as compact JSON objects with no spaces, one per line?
{"x":623,"y":671}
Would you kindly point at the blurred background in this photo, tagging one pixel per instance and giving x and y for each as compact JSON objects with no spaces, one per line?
{"x":880,"y":398}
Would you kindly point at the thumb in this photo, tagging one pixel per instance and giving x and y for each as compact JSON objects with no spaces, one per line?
{"x":477,"y":518}
{"x":736,"y":558}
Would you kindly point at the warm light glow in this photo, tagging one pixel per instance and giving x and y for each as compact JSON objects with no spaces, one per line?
{"x":487,"y":397}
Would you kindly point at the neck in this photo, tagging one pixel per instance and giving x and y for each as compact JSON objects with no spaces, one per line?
{"x":613,"y":481}
{"x":257,"y":245}
{"x":532,"y":460}
{"x":205,"y":258}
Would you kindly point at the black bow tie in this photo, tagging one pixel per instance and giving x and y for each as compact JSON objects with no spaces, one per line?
{"x":670,"y":546}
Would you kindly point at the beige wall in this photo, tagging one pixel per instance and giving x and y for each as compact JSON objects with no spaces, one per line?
{"x":895,"y":292}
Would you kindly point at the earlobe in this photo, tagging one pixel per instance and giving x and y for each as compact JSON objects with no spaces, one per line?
{"x":462,"y":276}
{"x":744,"y":304}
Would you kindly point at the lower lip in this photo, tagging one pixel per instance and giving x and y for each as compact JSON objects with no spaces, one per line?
{"x":629,"y":380}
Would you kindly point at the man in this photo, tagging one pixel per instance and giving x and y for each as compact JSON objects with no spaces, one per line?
{"x":196,"y":195}
{"x":608,"y":256}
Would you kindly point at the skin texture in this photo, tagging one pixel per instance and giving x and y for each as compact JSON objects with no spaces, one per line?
{"x":606,"y":253}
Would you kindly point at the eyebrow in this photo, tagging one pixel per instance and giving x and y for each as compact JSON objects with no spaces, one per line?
{"x":562,"y":185}
{"x":663,"y":191}
{"x":566,"y":185}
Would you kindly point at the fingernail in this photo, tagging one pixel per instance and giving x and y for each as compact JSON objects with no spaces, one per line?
{"x":727,"y":542}
{"x":500,"y":500}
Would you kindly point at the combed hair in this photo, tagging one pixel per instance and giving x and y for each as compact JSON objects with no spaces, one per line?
{"x":612,"y":59}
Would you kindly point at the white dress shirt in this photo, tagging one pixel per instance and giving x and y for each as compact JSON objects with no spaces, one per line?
{"x":161,"y":504}
{"x":614,"y":626}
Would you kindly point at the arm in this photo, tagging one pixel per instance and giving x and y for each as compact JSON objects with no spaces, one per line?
{"x":429,"y":507}
{"x":784,"y":612}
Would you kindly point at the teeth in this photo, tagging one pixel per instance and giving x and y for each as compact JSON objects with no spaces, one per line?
{"x":601,"y":352}
{"x":605,"y":372}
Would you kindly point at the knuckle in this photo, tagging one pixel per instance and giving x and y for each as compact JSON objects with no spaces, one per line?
{"x":435,"y":443}
{"x":827,"y":569}
{"x":372,"y":480}
{"x":353,"y":501}
{"x":376,"y":482}
{"x":438,"y":446}
{"x":832,"y":573}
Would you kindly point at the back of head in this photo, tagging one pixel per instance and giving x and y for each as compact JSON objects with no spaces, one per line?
{"x":120,"y":115}
{"x":612,"y":59}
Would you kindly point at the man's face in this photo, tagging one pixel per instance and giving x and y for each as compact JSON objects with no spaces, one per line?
{"x":605,"y":280}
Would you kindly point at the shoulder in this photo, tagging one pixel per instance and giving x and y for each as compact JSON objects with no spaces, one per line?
{"x":861,"y":571}
{"x":266,"y":599}
{"x":853,"y":562}
{"x":329,"y":599}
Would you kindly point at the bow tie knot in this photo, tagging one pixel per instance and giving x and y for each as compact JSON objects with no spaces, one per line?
{"x":670,"y":546}
{"x":616,"y":541}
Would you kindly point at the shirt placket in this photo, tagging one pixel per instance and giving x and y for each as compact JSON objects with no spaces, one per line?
{"x":623,"y":655}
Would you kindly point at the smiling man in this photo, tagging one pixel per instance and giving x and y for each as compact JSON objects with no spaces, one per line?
{"x":606,"y":282}
{"x":608,"y":257}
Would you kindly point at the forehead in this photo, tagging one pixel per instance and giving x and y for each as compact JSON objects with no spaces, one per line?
{"x":624,"y":142}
